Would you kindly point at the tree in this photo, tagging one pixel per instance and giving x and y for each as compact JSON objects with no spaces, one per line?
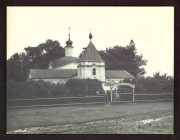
{"x":15,"y":68}
{"x":124,"y":58}
{"x":34,"y":58}
{"x":40,"y":56}
{"x":159,"y":83}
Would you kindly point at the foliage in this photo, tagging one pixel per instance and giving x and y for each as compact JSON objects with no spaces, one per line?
{"x":156,"y":84}
{"x":34,"y":58}
{"x":84,"y":87}
{"x":35,"y":89}
{"x":126,"y":58}
{"x":76,"y":87}
{"x":94,"y":86}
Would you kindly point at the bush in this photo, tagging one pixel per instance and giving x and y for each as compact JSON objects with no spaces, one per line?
{"x":40,"y":89}
{"x":76,"y":87}
{"x":156,"y":84}
{"x":58,"y":90}
{"x":94,"y":87}
{"x":32,"y":89}
{"x":18,"y":89}
{"x":84,"y":87}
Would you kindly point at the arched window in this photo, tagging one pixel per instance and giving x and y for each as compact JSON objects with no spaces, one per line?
{"x":94,"y":71}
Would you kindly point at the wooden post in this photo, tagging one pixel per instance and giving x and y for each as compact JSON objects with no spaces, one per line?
{"x":133,"y":96}
{"x":116,"y":94}
{"x":111,"y":96}
{"x":105,"y":98}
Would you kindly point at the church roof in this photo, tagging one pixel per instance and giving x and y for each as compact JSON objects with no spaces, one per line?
{"x":91,"y":54}
{"x":52,"y":73}
{"x":118,"y":74}
{"x":63,"y":61}
{"x":68,"y":73}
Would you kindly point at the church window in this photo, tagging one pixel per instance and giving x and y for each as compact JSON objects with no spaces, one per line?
{"x":94,"y":71}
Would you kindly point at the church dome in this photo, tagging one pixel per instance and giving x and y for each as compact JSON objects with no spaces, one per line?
{"x":69,"y":43}
{"x":90,"y":36}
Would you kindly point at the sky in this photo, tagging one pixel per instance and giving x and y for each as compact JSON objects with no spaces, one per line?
{"x":151,"y":28}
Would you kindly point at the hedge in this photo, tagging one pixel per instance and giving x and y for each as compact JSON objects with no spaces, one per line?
{"x":40,"y":89}
{"x":83,"y":87}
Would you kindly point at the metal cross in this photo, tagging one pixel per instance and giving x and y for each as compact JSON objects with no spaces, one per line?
{"x":69,"y":29}
{"x":69,"y":32}
{"x":90,"y":30}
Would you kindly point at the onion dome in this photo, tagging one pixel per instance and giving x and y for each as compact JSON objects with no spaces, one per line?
{"x":90,"y":36}
{"x":69,"y":42}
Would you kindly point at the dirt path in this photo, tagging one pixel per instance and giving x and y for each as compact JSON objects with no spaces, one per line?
{"x":51,"y":116}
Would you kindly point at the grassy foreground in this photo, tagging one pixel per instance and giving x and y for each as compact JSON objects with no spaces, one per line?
{"x":140,"y":118}
{"x":161,"y":124}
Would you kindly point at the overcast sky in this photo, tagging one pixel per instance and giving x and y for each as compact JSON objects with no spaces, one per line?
{"x":151,"y":28}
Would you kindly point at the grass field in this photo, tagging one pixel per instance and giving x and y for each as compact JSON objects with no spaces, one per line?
{"x":126,"y":118}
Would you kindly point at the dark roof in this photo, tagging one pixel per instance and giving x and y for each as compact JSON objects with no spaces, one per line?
{"x":91,"y":54}
{"x":52,"y":73}
{"x":68,"y":73}
{"x":63,"y":61}
{"x":118,"y":74}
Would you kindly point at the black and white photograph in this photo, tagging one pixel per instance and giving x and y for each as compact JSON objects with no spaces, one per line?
{"x":90,"y":70}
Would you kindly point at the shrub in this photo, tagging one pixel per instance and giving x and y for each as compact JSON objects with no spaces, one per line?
{"x":94,"y":87}
{"x":20,"y":89}
{"x":58,"y":90}
{"x":76,"y":87}
{"x":84,"y":87}
{"x":38,"y":89}
{"x":156,"y":84}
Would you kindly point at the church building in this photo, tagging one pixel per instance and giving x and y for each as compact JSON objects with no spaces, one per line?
{"x":88,"y":65}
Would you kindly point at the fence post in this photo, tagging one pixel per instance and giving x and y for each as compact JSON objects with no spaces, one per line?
{"x":133,"y":96}
{"x":116,"y":94}
{"x":111,"y":97}
{"x":105,"y":98}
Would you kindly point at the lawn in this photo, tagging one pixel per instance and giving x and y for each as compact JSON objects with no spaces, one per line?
{"x":126,"y":118}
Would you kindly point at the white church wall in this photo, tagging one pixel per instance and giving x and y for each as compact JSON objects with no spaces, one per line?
{"x":55,"y":81}
{"x":68,"y":51}
{"x":69,"y":66}
{"x":86,"y":70}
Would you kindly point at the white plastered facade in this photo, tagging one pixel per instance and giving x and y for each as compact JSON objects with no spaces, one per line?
{"x":85,"y":70}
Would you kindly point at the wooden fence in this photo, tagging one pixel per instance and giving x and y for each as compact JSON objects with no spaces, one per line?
{"x":129,"y":97}
{"x":89,"y":100}
{"x":153,"y":97}
{"x":63,"y":101}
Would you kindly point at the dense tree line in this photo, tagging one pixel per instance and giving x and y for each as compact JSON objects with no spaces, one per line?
{"x":159,"y":83}
{"x":33,"y":58}
{"x":126,"y":58}
{"x":38,"y":89}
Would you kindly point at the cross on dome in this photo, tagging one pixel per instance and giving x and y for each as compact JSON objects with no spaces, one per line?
{"x":69,"y":42}
{"x":69,"y":32}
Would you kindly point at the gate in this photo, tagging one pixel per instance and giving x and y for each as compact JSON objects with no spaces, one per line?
{"x":114,"y":96}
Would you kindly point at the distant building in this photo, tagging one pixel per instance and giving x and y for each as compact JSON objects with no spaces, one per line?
{"x":89,"y":65}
